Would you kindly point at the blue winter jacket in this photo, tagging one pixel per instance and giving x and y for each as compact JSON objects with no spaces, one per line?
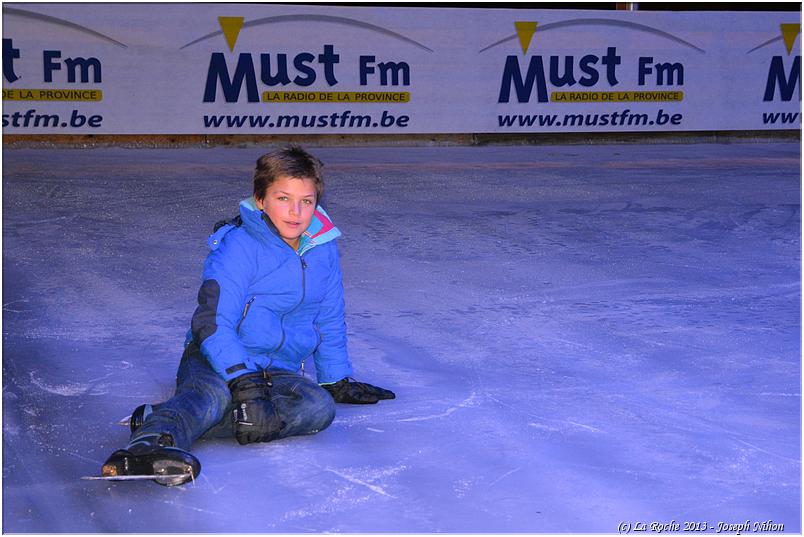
{"x":263,"y":304}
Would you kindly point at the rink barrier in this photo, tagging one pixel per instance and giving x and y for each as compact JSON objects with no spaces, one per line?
{"x":11,"y":141}
{"x":236,"y":69}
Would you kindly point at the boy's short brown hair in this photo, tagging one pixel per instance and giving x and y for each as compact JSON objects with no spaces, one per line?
{"x":290,"y":161}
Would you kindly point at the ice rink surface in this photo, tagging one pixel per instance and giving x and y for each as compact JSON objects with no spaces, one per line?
{"x":578,"y":336}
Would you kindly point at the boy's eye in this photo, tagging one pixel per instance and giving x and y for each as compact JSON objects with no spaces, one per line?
{"x":308,"y":202}
{"x":282,"y":198}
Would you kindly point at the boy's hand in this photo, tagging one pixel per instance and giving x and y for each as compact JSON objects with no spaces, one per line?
{"x":358,"y":393}
{"x":255,"y":417}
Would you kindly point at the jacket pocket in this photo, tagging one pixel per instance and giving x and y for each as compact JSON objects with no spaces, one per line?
{"x":245,"y":313}
{"x":259,"y":328}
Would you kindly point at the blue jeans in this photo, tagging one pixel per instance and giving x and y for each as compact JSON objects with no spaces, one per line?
{"x":202,"y":405}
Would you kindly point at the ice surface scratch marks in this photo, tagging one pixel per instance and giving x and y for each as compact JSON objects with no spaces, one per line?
{"x":582,"y":426}
{"x":59,"y":389}
{"x":171,"y":503}
{"x":506,"y":474}
{"x":468,"y":402}
{"x":541,"y":418}
{"x":752,"y":446}
{"x":352,"y":479}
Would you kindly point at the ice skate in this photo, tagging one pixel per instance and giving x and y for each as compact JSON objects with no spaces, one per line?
{"x":152,"y":458}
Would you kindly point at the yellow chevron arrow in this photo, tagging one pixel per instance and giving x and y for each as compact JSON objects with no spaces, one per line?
{"x":525,"y":31}
{"x":231,"y":29}
{"x":789,"y":34}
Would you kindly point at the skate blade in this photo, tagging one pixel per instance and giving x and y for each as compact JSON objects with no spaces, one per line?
{"x":135,"y":477}
{"x":162,"y":479}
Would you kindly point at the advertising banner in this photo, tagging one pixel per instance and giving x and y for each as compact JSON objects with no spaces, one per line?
{"x":295,"y":69}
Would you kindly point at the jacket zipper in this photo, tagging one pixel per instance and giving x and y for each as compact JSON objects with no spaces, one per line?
{"x":245,"y":312}
{"x":303,"y":266}
{"x":304,"y":292}
{"x":304,"y":281}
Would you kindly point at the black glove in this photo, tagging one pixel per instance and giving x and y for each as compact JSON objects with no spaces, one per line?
{"x":255,"y":417}
{"x":357,"y":393}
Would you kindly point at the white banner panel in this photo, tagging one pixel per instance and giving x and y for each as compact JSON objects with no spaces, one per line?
{"x":281,"y":69}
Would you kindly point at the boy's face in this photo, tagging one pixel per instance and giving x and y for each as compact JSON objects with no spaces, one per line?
{"x":290,"y":203}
